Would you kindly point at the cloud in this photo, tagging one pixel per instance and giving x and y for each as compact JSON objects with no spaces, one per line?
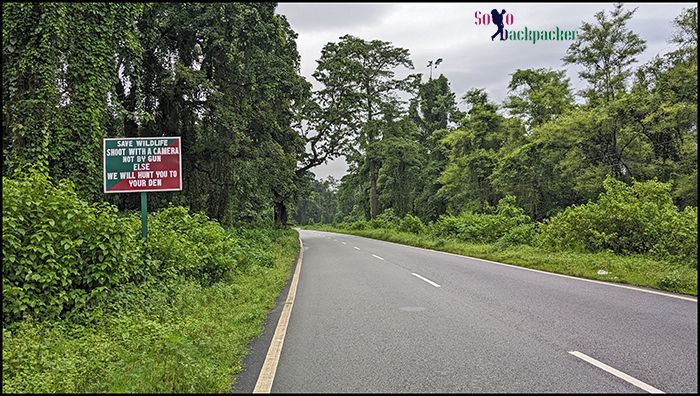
{"x":315,"y":17}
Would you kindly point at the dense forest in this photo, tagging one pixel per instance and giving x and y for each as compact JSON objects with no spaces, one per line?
{"x":424,"y":157}
{"x":605,"y":177}
{"x":224,"y":77}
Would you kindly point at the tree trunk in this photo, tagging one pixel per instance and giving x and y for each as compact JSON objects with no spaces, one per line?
{"x":281,"y":216}
{"x":373,"y":188}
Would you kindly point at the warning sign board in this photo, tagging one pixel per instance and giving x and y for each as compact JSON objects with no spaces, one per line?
{"x":142,"y":164}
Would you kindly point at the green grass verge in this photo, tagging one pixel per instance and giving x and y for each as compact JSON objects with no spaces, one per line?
{"x":179,"y":337}
{"x":635,"y":270}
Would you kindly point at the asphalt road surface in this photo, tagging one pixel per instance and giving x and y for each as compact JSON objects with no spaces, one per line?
{"x":372,"y":316}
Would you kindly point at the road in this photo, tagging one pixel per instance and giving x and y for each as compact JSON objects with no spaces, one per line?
{"x":372,"y":316}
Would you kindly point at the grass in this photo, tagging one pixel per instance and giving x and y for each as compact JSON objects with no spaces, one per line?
{"x":635,"y":270}
{"x":179,"y":337}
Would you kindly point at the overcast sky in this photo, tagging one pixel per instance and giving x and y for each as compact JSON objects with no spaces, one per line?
{"x":448,"y":31}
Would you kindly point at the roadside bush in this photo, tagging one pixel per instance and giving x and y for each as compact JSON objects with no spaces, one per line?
{"x":636,"y":219}
{"x":62,"y":255}
{"x":167,"y":336}
{"x":59,"y":252}
{"x":386,"y":220}
{"x":191,"y":245}
{"x":411,"y":223}
{"x":255,"y":246}
{"x":356,"y":225}
{"x":482,"y":228}
{"x":522,"y":234}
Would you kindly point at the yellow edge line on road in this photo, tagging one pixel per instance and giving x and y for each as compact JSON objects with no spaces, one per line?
{"x":529,"y":269}
{"x":269,"y":368}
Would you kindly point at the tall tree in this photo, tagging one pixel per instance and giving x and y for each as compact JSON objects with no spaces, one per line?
{"x":434,"y":111}
{"x":475,"y":149}
{"x":434,"y":107}
{"x":318,"y":204}
{"x":326,"y":137}
{"x":358,"y":79}
{"x":58,"y":85}
{"x":539,"y":95}
{"x":402,"y":158}
{"x":667,"y":89}
{"x":226,"y":79}
{"x":686,"y":34}
{"x":606,"y":50}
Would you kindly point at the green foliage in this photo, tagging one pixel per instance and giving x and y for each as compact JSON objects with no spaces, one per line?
{"x":319,"y":202}
{"x":254,"y":243}
{"x":61,"y":253}
{"x":483,"y":227}
{"x":191,"y":245}
{"x":550,"y":153}
{"x":361,"y":95}
{"x":225,"y":78}
{"x":539,"y":95}
{"x":56,"y":84}
{"x":434,"y":107}
{"x":86,"y":307}
{"x":686,"y":34}
{"x":168,"y":336}
{"x":606,"y":49}
{"x":475,"y":149}
{"x":640,"y":218}
{"x":398,"y":176}
{"x":63,"y":256}
{"x":387,"y":219}
{"x":355,"y":225}
{"x":521,"y":234}
{"x":411,"y":223}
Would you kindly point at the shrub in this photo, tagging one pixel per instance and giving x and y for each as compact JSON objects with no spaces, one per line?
{"x":635,"y":219}
{"x":482,"y":228}
{"x":62,"y":255}
{"x":681,"y":238}
{"x":255,"y":246}
{"x":411,"y":223}
{"x":357,"y":225}
{"x":522,"y":234}
{"x":389,"y":216}
{"x":59,"y":252}
{"x":386,"y":220}
{"x":191,"y":245}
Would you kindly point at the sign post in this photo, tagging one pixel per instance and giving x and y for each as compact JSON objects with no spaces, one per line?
{"x":144,"y":215}
{"x":142,"y":165}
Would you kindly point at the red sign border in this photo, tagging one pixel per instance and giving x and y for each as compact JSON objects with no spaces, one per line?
{"x":104,"y":164}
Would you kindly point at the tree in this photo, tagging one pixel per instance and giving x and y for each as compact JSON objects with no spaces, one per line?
{"x":226,"y":79}
{"x":539,"y":95}
{"x":433,"y":64}
{"x":318,"y":204}
{"x":475,"y":148}
{"x":434,"y":111}
{"x":401,"y":158}
{"x":352,"y":193}
{"x":686,"y":34}
{"x":58,"y":85}
{"x":605,"y":50}
{"x":361,"y":91}
{"x":325,"y":133}
{"x":667,"y":90}
{"x":434,"y":107}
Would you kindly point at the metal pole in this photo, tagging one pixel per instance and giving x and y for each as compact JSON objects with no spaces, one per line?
{"x":144,"y":216}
